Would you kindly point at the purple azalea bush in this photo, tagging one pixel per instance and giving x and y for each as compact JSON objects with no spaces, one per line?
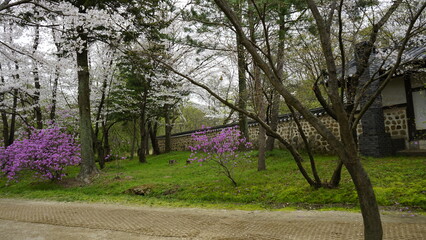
{"x":46,"y":152}
{"x":226,"y":150}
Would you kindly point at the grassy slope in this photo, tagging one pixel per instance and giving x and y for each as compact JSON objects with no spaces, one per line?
{"x":399,"y":182}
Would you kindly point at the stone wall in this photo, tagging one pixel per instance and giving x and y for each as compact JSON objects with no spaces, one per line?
{"x":395,"y":125}
{"x":396,"y":122}
{"x":181,"y":141}
{"x":288,"y":129}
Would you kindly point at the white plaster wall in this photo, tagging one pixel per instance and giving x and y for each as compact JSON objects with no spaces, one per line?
{"x":394,"y":92}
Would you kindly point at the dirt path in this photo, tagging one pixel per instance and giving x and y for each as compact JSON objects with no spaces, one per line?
{"x":41,"y":220}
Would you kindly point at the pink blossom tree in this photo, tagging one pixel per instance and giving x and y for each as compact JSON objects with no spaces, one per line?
{"x":224,"y":150}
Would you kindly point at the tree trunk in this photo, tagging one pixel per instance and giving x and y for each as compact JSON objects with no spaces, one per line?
{"x":37,"y":108}
{"x":100,"y":106}
{"x":146,"y":142}
{"x":105,"y":137}
{"x":335,"y":179}
{"x":102,"y":146}
{"x":87,"y":166}
{"x":142,"y":149}
{"x":307,"y":147}
{"x":259,"y":100}
{"x":36,"y":97}
{"x":369,"y":208}
{"x":11,"y":137}
{"x":367,"y":199}
{"x":59,"y":55}
{"x":102,"y":152}
{"x":134,"y":139}
{"x":15,"y":92}
{"x":54,"y":96}
{"x":5,"y":128}
{"x":168,"y":130}
{"x":101,"y":155}
{"x":275,"y":109}
{"x":4,"y":115}
{"x":152,"y":128}
{"x":242,"y":84}
{"x":261,"y":162}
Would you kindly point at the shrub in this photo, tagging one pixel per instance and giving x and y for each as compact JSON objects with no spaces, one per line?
{"x":46,"y":152}
{"x":225,"y":150}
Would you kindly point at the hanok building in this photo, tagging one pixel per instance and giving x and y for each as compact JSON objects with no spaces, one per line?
{"x":397,"y":118}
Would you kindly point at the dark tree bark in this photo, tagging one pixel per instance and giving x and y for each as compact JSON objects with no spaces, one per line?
{"x":100,"y":106}
{"x":5,"y":128}
{"x":134,"y":139}
{"x":59,"y":55}
{"x":87,"y":166}
{"x":142,"y":150}
{"x":168,"y":129}
{"x":11,"y":137}
{"x":15,"y":93}
{"x":100,"y":145}
{"x":152,"y":128}
{"x":369,"y":208}
{"x":242,"y":84}
{"x":335,"y":179}
{"x":307,"y":147}
{"x":52,"y":114}
{"x":146,"y":142}
{"x":4,"y":115}
{"x":105,"y":139}
{"x":36,"y":97}
{"x":101,"y":155}
{"x":275,"y":108}
{"x":274,"y":114}
{"x":261,"y":161}
{"x":143,"y":131}
{"x":259,"y":101}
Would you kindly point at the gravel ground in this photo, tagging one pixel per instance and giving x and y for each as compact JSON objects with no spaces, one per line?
{"x":44,"y":220}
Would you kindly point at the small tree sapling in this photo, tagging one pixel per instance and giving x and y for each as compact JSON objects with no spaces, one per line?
{"x":225,"y":150}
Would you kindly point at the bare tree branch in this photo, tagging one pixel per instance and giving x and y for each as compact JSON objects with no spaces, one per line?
{"x":390,"y":74}
{"x":272,"y":75}
{"x":297,"y":157}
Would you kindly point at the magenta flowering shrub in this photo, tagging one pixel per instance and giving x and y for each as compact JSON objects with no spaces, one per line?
{"x":226,"y":150}
{"x":46,"y":152}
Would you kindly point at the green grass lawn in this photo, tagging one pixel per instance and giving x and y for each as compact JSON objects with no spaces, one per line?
{"x":399,"y":183}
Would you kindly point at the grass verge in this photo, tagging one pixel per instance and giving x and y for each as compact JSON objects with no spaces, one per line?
{"x":399,"y":183}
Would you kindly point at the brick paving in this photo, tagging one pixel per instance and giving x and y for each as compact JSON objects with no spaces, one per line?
{"x":108,"y":221}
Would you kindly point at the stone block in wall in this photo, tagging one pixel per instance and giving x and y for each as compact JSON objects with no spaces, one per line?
{"x":396,"y":122}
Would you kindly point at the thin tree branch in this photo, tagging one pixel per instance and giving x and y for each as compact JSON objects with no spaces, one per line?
{"x":297,"y":157}
{"x":392,"y":71}
{"x":272,"y":75}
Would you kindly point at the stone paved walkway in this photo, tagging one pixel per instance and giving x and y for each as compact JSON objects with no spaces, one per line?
{"x":41,"y":220}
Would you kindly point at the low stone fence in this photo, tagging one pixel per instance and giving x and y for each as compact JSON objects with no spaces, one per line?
{"x":395,"y":124}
